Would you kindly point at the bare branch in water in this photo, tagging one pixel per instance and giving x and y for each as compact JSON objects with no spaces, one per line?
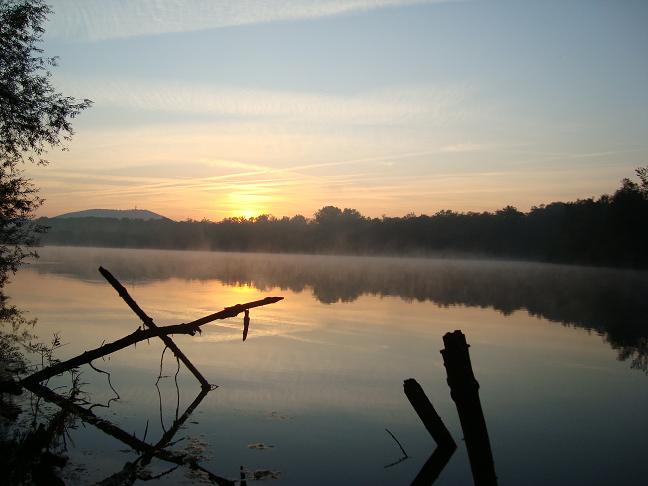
{"x":405,"y":456}
{"x":161,"y":362}
{"x":148,"y":322}
{"x":117,"y":397}
{"x":135,"y":337}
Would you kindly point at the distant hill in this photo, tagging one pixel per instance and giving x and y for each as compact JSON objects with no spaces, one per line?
{"x":113,"y":213}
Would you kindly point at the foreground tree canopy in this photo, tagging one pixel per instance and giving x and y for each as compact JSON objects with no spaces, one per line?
{"x":610,"y":230}
{"x":34,"y":117}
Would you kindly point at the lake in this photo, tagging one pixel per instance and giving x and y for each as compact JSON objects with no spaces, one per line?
{"x":560,"y":354}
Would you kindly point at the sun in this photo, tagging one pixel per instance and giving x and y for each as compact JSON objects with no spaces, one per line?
{"x":247,"y":213}
{"x":247,"y":203}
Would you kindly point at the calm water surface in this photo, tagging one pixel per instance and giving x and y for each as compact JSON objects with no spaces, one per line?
{"x":560,"y":354}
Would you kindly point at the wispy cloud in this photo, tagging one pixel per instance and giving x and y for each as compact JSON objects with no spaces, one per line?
{"x":466,"y":147}
{"x":371,"y":188}
{"x":258,"y":189}
{"x":375,"y":107}
{"x":95,"y":20}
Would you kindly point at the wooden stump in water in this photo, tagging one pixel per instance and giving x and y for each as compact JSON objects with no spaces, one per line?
{"x":464,"y":390}
{"x":428,"y":415}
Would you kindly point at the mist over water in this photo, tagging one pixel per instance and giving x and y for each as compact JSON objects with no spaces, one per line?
{"x":610,"y":302}
{"x":320,"y":374}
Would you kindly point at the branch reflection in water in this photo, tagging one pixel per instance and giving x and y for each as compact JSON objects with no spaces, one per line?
{"x":134,"y":470}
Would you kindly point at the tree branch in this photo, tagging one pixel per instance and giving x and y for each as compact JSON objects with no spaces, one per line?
{"x":137,"y":336}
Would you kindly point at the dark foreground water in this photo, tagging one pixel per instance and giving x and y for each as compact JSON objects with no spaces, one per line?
{"x":560,"y":354}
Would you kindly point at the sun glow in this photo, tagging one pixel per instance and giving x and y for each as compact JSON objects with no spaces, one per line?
{"x":247,"y":213}
{"x":244,"y":289}
{"x":248,"y":203}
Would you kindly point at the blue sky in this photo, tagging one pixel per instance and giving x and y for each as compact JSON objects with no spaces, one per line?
{"x":218,"y":108}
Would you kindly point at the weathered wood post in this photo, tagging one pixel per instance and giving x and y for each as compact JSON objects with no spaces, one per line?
{"x":428,"y":415}
{"x":446,"y":445}
{"x":464,"y":390}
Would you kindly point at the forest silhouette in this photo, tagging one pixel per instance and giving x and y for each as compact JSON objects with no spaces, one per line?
{"x":608,"y":231}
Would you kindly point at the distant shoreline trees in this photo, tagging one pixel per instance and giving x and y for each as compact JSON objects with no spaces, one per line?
{"x":609,"y":231}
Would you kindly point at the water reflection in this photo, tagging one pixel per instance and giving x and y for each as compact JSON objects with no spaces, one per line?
{"x":610,"y":302}
{"x":131,"y":471}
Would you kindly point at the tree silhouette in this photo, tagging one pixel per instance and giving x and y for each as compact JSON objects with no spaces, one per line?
{"x":34,"y":117}
{"x":642,"y":174}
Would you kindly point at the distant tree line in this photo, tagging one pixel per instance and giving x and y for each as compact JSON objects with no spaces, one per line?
{"x":611,"y":230}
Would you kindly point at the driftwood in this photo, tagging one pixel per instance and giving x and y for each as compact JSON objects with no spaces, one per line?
{"x":148,"y":322}
{"x":131,"y":471}
{"x":141,"y":335}
{"x":446,"y":445}
{"x":464,"y":390}
{"x":88,"y":356}
{"x":427,"y":414}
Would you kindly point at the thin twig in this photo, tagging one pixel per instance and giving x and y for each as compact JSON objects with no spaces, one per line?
{"x":397,"y":441}
{"x":108,"y":375}
{"x":392,"y":464}
{"x":175,"y":378}
{"x":160,"y":399}
{"x":405,"y":456}
{"x":161,"y":361}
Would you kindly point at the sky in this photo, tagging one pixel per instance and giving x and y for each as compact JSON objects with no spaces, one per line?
{"x":218,"y":108}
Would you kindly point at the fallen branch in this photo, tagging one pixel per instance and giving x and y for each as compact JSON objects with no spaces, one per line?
{"x":88,"y":356}
{"x":135,"y":337}
{"x":430,"y":418}
{"x":148,"y":322}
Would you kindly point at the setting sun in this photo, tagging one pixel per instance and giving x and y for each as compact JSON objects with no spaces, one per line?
{"x":247,"y":202}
